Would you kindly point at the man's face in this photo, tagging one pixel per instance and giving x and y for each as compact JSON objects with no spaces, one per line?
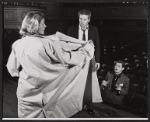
{"x":83,"y":21}
{"x":118,"y":68}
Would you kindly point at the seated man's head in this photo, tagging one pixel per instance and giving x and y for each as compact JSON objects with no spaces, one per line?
{"x":119,"y":66}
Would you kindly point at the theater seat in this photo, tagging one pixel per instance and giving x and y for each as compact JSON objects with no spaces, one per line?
{"x":143,"y":83}
{"x":133,"y":78}
{"x":143,"y":73}
{"x":103,"y":72}
{"x":104,"y":66}
{"x":130,"y":71}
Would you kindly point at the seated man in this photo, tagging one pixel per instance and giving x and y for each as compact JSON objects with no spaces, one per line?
{"x":116,"y":84}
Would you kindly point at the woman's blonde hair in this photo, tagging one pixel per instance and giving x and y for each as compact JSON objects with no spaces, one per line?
{"x":30,"y":23}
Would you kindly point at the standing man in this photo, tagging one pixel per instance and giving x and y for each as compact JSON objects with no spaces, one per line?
{"x":86,"y":32}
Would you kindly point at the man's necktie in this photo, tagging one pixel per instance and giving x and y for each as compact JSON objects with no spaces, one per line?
{"x":84,"y":35}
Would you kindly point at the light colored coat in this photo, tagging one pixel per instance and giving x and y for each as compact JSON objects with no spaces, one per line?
{"x":52,"y":80}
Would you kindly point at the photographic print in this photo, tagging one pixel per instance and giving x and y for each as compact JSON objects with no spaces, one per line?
{"x":83,"y":60}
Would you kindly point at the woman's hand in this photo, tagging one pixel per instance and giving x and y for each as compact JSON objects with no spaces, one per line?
{"x":91,"y":42}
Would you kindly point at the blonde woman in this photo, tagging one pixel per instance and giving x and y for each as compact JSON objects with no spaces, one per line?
{"x":49,"y":83}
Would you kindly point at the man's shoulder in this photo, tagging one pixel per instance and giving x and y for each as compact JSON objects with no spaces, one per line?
{"x":92,"y":27}
{"x":125,"y":76}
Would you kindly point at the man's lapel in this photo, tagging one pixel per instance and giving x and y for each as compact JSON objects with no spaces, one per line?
{"x":120,"y":80}
{"x":90,"y":33}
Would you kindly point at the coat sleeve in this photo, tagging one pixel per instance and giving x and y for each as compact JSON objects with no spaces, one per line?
{"x":75,"y":57}
{"x":69,"y":58}
{"x":106,"y":79}
{"x":13,"y":64}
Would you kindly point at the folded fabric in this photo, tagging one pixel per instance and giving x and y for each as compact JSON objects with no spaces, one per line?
{"x":52,"y":80}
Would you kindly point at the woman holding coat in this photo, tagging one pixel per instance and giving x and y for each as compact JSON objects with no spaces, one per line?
{"x":47,"y":73}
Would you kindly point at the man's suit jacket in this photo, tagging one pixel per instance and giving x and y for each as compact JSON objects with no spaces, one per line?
{"x":92,"y":35}
{"x":122,"y":80}
{"x":113,"y":96}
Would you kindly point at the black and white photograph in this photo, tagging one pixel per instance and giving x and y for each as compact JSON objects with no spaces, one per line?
{"x":81,"y":60}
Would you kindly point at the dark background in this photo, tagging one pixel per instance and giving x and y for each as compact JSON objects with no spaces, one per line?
{"x":123,"y":31}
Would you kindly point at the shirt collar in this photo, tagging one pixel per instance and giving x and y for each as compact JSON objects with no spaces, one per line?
{"x":85,"y":29}
{"x":118,"y":75}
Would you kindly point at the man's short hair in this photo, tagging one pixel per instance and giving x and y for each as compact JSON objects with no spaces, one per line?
{"x":85,"y":12}
{"x":120,"y":61}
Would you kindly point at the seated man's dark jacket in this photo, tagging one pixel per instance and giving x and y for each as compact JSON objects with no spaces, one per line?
{"x":114,"y":96}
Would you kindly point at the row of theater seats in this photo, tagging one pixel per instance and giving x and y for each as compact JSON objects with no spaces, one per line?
{"x":136,"y":68}
{"x":137,"y":71}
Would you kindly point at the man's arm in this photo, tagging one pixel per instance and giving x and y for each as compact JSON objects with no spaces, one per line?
{"x":105,"y":81}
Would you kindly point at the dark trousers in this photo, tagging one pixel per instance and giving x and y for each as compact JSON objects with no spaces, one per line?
{"x":112,"y":96}
{"x":87,"y":98}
